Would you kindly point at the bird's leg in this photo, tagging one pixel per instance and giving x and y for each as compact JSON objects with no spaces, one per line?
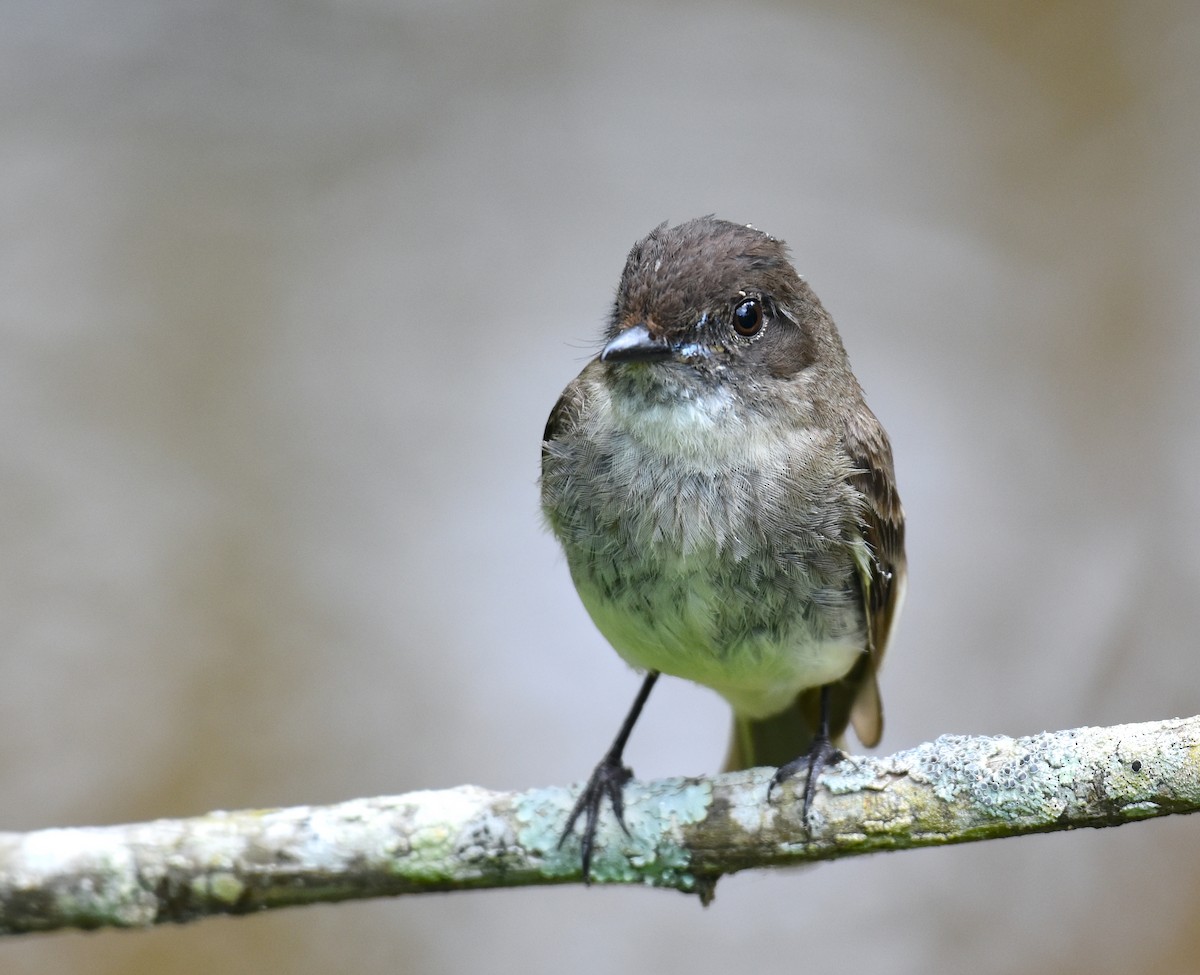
{"x":821,"y":753}
{"x":608,"y":780}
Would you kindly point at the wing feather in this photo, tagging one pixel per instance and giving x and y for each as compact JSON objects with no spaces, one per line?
{"x":883,"y":573}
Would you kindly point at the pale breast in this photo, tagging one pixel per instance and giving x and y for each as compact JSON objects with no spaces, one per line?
{"x":757,"y":651}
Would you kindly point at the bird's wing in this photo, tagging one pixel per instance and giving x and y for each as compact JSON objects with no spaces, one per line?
{"x":882,"y":569}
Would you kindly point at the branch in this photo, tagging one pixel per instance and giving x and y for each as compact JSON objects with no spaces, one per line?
{"x":684,"y":833}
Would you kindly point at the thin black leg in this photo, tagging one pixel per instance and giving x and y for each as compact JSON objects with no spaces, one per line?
{"x":608,"y":780}
{"x":821,"y":753}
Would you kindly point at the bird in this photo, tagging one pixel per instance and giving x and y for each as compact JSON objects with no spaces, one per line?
{"x":727,"y":504}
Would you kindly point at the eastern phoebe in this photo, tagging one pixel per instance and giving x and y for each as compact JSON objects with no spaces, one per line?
{"x":727,"y":504}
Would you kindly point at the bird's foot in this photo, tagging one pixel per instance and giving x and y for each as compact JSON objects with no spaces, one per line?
{"x":607,"y":781}
{"x":819,"y":756}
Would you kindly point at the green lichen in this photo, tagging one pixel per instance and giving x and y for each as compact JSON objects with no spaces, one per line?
{"x":226,"y":887}
{"x":442,"y":824}
{"x":992,"y":773}
{"x":652,"y":851}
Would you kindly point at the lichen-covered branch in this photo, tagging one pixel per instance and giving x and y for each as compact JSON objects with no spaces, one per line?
{"x":683,"y":833}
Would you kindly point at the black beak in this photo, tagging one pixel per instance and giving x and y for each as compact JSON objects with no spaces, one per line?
{"x":635,"y":344}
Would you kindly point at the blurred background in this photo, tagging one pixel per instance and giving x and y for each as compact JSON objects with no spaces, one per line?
{"x":289,"y":290}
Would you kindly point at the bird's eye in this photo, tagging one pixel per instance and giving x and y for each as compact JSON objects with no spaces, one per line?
{"x":748,"y":317}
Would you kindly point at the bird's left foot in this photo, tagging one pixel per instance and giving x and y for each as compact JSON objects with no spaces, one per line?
{"x":819,"y":756}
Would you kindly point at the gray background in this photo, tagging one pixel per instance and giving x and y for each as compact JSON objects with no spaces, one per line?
{"x":289,"y":289}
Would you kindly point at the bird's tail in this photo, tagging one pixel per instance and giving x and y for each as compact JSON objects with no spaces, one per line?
{"x":771,"y":741}
{"x":776,"y":740}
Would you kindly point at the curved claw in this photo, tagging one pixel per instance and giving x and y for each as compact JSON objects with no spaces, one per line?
{"x":820,"y":755}
{"x":607,"y":781}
